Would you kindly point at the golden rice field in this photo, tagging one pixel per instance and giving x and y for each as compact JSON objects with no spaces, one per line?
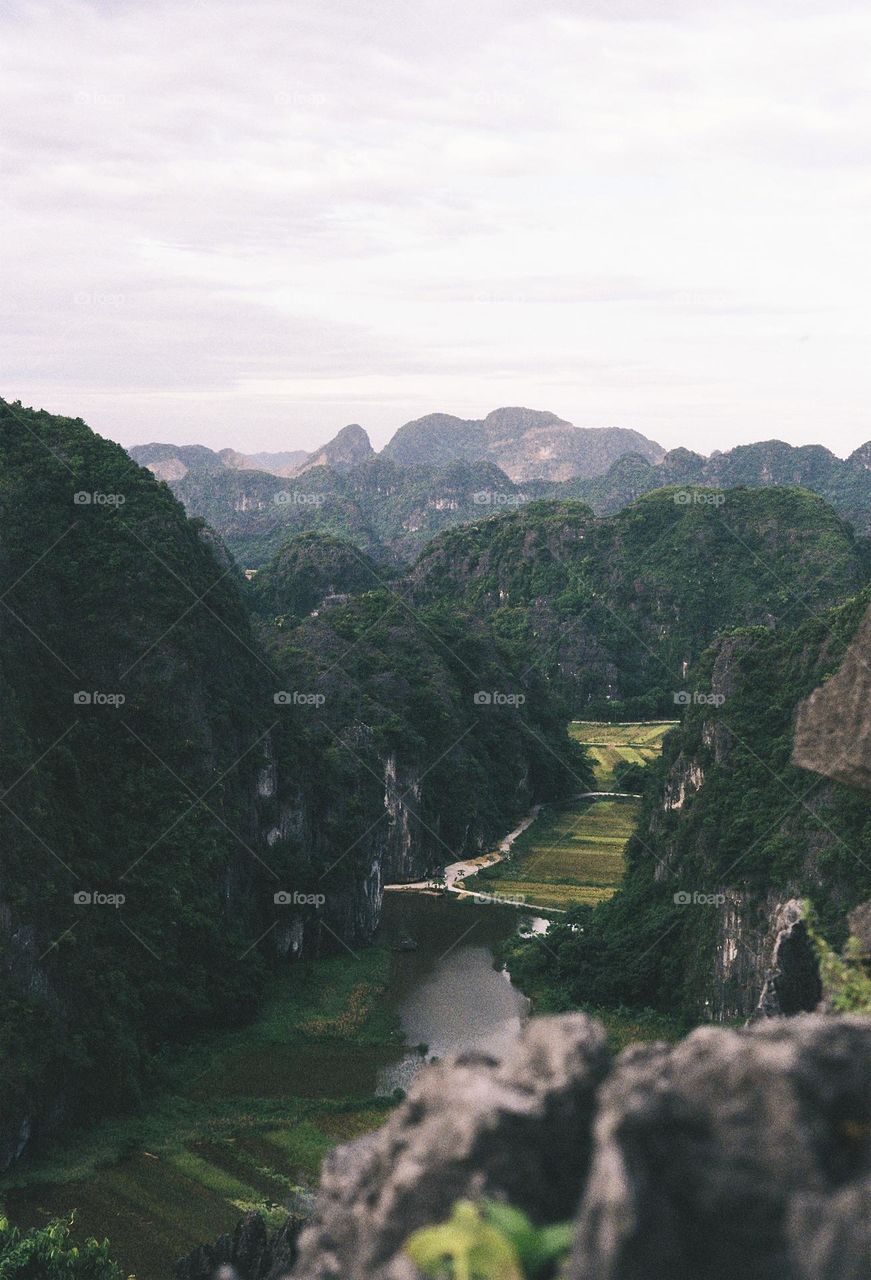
{"x":574,"y":852}
{"x":609,"y":744}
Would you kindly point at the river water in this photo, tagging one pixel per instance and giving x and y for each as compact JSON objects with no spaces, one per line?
{"x":447,"y":993}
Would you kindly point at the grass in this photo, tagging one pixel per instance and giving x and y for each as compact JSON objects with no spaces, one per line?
{"x":610,"y":744}
{"x":574,"y":852}
{"x":244,"y":1121}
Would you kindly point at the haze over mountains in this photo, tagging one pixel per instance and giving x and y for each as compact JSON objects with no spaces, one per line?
{"x":439,"y":471}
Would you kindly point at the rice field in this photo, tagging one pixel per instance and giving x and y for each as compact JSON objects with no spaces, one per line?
{"x":574,"y":852}
{"x":246,"y":1126}
{"x":609,"y":744}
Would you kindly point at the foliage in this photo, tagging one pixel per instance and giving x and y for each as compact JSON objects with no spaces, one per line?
{"x":489,"y":1242}
{"x":755,"y":821}
{"x":48,"y":1253}
{"x":610,"y":611}
{"x":846,"y":980}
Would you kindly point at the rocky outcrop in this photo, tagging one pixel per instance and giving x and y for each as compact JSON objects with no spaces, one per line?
{"x":520,"y":1130}
{"x":833,"y":728}
{"x":250,"y":1253}
{"x":732,"y":1153}
{"x":792,"y":983}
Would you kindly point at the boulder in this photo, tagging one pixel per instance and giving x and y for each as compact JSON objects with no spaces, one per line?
{"x":471,"y":1126}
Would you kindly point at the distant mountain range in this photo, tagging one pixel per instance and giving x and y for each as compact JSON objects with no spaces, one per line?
{"x":440,"y":471}
{"x":526,"y":444}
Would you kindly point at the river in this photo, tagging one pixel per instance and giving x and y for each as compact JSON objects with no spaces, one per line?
{"x":447,"y":993}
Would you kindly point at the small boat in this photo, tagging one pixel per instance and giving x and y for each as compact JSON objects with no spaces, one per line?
{"x":405,"y":943}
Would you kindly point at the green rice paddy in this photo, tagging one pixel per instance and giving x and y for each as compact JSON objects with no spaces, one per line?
{"x":574,"y":852}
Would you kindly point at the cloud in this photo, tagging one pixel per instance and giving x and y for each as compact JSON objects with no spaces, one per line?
{"x":252,"y":222}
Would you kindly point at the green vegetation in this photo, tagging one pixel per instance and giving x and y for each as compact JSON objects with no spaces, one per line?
{"x":846,"y":980}
{"x":574,"y":851}
{"x":243,"y":1123}
{"x":308,"y":568}
{"x":845,"y":483}
{"x":192,"y":792}
{"x":140,"y":798}
{"x":755,"y":821}
{"x":49,"y":1254}
{"x":610,"y":610}
{"x":489,"y":1242}
{"x":394,"y":504}
{"x":620,"y":752}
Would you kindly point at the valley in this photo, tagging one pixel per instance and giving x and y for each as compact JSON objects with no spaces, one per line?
{"x":574,"y":851}
{"x":260,"y":757}
{"x":242,"y":1119}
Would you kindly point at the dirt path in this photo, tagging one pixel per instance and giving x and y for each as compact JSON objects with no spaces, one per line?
{"x":457,"y":871}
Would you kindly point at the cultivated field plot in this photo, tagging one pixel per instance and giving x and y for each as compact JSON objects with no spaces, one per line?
{"x":574,"y":852}
{"x":608,"y":744}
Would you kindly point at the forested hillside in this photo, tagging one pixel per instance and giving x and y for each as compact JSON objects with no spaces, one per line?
{"x":179,"y":766}
{"x":614,"y":610}
{"x":732,"y":828}
{"x":844,"y":482}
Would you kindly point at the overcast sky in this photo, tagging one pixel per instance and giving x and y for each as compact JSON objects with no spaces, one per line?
{"x":249,"y":223}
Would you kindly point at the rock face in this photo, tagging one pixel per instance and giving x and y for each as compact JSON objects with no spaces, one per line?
{"x":519,"y":1129}
{"x":733,"y":1153}
{"x":248,"y":1254}
{"x":833,"y":729}
{"x":347,"y":449}
{"x":792,"y":984}
{"x":706,"y":1153}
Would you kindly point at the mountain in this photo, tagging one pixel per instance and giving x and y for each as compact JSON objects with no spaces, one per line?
{"x":348,"y":449}
{"x":845,"y":483}
{"x":171,"y":462}
{"x":135,"y":710}
{"x":442,"y":471}
{"x":312,"y":570}
{"x":177,"y":747}
{"x":526,"y":444}
{"x":279,"y":464}
{"x":613,"y":610}
{"x":391,"y":512}
{"x":731,"y":833}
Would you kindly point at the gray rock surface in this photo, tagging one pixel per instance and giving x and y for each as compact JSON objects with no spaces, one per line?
{"x":470,"y":1126}
{"x":833,"y":728}
{"x":734,"y":1153}
{"x":706,"y":1152}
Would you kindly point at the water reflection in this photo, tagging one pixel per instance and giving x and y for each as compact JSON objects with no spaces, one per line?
{"x":449,"y":996}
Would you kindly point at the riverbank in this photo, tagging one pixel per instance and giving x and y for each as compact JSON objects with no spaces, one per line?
{"x":244,"y":1118}
{"x":242,"y":1121}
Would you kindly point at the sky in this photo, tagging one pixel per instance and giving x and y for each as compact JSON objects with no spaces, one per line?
{"x":247,"y":224}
